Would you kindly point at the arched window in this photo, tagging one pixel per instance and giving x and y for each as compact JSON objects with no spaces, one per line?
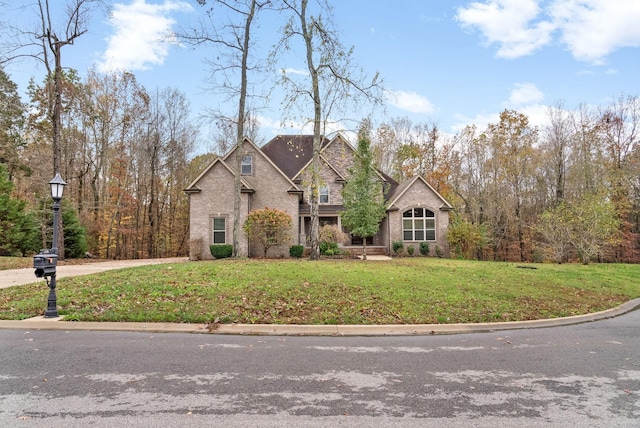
{"x":418,"y":224}
{"x":246,"y":166}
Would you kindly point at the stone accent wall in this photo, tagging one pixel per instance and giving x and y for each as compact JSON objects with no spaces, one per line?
{"x":340,"y":155}
{"x":328,"y":177}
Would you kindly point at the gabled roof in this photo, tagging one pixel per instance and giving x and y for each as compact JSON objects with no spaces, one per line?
{"x":193,"y":187}
{"x":340,"y":138}
{"x":291,"y":153}
{"x":402,"y":188}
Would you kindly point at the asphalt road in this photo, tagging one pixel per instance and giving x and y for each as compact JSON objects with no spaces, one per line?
{"x":580,"y":375}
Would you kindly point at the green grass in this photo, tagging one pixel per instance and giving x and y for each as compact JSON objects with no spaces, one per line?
{"x":401,"y":291}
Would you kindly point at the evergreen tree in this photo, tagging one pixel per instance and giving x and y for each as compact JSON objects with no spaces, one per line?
{"x":18,"y":230}
{"x":11,"y":123}
{"x":75,"y":234}
{"x":363,"y":194}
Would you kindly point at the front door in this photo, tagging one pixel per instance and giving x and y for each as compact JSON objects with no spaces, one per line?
{"x":356,"y":240}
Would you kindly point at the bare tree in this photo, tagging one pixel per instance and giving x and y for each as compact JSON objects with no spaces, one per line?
{"x":225,"y":132}
{"x":556,"y":140}
{"x":333,"y":84}
{"x":51,"y":39}
{"x":234,"y":37}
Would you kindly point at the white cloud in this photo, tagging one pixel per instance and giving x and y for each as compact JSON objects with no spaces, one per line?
{"x":536,"y":113}
{"x":299,"y":72}
{"x":509,"y":23}
{"x":525,"y":98}
{"x":142,"y":34}
{"x":481,"y":121}
{"x":410,"y":101}
{"x":590,"y":29}
{"x":524,"y":94}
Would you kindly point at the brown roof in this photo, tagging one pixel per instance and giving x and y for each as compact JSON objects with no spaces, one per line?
{"x":393,"y":185}
{"x":290,"y":152}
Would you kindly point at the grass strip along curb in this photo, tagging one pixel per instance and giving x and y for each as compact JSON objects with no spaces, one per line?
{"x":402,"y":292}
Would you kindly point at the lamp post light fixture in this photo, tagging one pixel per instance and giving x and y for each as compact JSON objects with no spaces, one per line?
{"x":45,"y":263}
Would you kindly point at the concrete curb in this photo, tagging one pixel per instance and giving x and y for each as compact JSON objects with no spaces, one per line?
{"x":41,"y":323}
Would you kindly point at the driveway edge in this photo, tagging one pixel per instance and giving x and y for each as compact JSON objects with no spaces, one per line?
{"x":41,"y":323}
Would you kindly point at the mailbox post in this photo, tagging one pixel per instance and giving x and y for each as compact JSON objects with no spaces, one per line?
{"x":46,"y":261}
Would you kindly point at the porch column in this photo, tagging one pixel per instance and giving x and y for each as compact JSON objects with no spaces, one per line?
{"x":340,"y":229}
{"x":302,"y":236}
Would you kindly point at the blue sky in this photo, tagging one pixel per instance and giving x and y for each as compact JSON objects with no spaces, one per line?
{"x":448,"y":62}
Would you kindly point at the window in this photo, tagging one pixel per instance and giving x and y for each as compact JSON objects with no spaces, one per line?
{"x":246,"y":165}
{"x":323,"y":196}
{"x":219,"y":230}
{"x":418,"y":224}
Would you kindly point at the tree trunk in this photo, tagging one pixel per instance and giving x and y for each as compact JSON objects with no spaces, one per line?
{"x":364,"y":248}
{"x":57,"y":134}
{"x":317,"y":141}
{"x":240,"y":126}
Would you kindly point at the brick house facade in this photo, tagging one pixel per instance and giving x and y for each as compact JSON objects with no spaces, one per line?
{"x":277,"y":176}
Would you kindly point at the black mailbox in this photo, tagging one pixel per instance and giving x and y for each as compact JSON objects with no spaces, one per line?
{"x":45,"y":264}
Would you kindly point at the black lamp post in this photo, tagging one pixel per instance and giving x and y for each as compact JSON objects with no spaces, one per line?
{"x":46,"y":262}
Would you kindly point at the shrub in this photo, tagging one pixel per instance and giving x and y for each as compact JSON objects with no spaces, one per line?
{"x":438,"y":252}
{"x":332,"y":233}
{"x":296,"y":251}
{"x":397,"y":246}
{"x":466,"y":237}
{"x":221,"y":251}
{"x":268,"y":227}
{"x":410,"y":250}
{"x":424,"y":248}
{"x":329,"y":248}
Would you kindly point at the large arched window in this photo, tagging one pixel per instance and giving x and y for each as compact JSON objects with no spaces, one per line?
{"x":419,"y":224}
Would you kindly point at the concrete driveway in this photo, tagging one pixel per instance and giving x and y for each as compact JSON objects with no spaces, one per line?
{"x":11,"y":277}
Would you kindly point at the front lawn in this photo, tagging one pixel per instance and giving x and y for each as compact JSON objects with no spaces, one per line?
{"x":401,"y":291}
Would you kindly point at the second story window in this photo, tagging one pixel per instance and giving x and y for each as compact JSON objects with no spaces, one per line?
{"x":323,"y":195}
{"x":246,"y":166}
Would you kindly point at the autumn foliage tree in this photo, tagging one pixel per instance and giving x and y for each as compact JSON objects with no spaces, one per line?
{"x":588,"y":227}
{"x":268,"y":227}
{"x":467,"y":239}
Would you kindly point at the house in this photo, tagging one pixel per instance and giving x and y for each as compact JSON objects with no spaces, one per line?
{"x":277,"y":176}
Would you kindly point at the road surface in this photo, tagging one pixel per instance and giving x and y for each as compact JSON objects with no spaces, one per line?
{"x":580,"y":375}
